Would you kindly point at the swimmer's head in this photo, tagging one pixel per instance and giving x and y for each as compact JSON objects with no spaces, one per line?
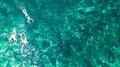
{"x":11,"y":39}
{"x":30,"y":20}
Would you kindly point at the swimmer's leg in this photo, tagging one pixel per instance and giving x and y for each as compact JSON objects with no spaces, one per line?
{"x":22,"y":47}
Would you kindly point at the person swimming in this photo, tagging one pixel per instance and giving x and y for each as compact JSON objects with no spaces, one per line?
{"x":23,"y":41}
{"x":13,"y":35}
{"x":29,"y":19}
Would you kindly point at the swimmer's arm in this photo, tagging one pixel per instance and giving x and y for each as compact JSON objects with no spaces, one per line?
{"x":14,"y":31}
{"x":25,"y":38}
{"x":21,"y":37}
{"x":25,"y":12}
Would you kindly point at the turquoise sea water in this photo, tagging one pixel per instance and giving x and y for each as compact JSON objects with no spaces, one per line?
{"x":65,"y":33}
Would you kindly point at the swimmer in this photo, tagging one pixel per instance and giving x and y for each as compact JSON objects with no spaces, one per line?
{"x":23,"y":40}
{"x":13,"y":35}
{"x":29,"y":19}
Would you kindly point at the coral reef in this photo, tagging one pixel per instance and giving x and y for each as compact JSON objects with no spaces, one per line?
{"x":64,"y":33}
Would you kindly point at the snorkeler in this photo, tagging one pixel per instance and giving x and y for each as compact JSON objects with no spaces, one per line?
{"x":23,"y":40}
{"x":13,"y":35}
{"x":29,"y":19}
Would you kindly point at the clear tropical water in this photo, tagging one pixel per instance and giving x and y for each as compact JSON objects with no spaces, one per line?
{"x":65,"y":33}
